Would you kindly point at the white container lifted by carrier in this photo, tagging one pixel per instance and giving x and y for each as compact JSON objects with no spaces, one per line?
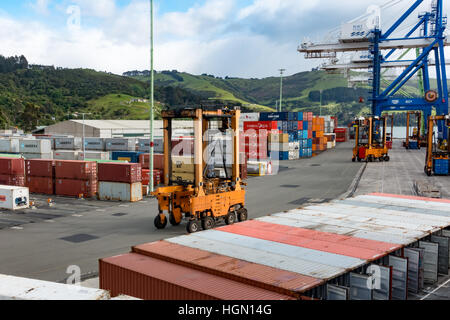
{"x":14,"y":198}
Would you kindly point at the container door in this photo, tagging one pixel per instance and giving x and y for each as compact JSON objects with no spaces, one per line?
{"x":413,"y":269}
{"x":337,"y":292}
{"x":399,"y":277}
{"x":430,"y":261}
{"x":360,"y":287}
{"x":446,"y":233}
{"x":442,"y":254}
{"x":382,"y":281}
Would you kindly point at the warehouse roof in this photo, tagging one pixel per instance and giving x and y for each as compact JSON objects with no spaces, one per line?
{"x":128,"y":124}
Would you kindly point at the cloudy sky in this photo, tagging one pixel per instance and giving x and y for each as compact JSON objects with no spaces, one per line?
{"x":245,"y":38}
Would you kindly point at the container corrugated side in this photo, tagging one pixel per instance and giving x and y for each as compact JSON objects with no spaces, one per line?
{"x":74,"y":188}
{"x":39,"y":168}
{"x":116,"y":191}
{"x":277,"y":280}
{"x":77,"y":170}
{"x":35,"y":146}
{"x":120,"y":172}
{"x":9,"y":145}
{"x":41,"y":185}
{"x":12,"y":166}
{"x":152,"y":279}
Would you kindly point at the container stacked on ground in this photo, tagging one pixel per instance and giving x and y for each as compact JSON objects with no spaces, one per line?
{"x":76,"y":178}
{"x":120,"y":181}
{"x":12,"y":172}
{"x":40,"y":176}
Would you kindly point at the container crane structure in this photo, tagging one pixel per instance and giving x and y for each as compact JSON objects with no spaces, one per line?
{"x":431,"y":41}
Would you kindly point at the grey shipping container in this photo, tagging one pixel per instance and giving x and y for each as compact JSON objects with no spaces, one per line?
{"x":120,"y":144}
{"x":51,"y":139}
{"x":9,"y":145}
{"x":97,"y":144}
{"x":46,"y":156}
{"x":35,"y":146}
{"x":68,"y":143}
{"x":94,"y":155}
{"x":65,"y":154}
{"x":144,"y":145}
{"x":115,"y":191}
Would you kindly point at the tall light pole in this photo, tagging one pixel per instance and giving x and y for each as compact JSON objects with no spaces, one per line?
{"x":152,"y":102}
{"x":281,"y":88}
{"x":320,"y":108}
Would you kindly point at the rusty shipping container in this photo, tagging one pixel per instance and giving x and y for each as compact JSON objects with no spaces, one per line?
{"x":41,"y":185}
{"x":12,"y":180}
{"x":74,"y":188}
{"x":158,"y":161}
{"x":119,"y":191}
{"x":152,"y":279}
{"x":12,"y":166}
{"x":40,"y":168}
{"x":120,"y":172}
{"x":268,"y":278}
{"x":76,"y":170}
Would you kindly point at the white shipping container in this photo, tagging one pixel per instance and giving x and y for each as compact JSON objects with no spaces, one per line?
{"x":46,"y":156}
{"x":94,"y":155}
{"x":120,"y":144}
{"x":68,"y":143}
{"x":250,"y":116}
{"x":14,"y":198}
{"x":9,"y":145}
{"x":283,"y":147}
{"x":144,"y":145}
{"x":115,"y":191}
{"x":65,"y":154}
{"x":51,"y":139}
{"x":97,"y":144}
{"x":35,"y":146}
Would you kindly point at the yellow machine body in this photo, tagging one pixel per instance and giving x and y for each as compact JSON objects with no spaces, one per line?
{"x":436,"y":150}
{"x":372,"y":149}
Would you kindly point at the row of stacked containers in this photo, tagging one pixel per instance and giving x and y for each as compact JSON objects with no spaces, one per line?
{"x":87,"y":179}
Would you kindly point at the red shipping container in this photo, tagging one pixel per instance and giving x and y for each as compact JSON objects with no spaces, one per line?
{"x":158,"y":161}
{"x":40,"y":168}
{"x":76,"y":170}
{"x":74,"y":188}
{"x":42,"y":185}
{"x":12,"y":166}
{"x":12,"y":180}
{"x":261,"y":125}
{"x":157,"y":175}
{"x":300,"y":125}
{"x":120,"y":172}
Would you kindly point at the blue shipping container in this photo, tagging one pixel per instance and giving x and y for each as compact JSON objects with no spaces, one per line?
{"x":299,"y":116}
{"x":277,"y":155}
{"x":441,"y":166}
{"x":310,"y":143}
{"x":130,"y":156}
{"x":305,"y":125}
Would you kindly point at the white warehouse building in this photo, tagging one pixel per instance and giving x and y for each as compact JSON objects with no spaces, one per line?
{"x":116,"y":128}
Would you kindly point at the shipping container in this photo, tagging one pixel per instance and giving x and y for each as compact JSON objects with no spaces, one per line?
{"x":144,"y":145}
{"x":13,"y":180}
{"x":158,"y":161}
{"x":66,"y":154}
{"x":157,"y":177}
{"x":14,"y":198}
{"x":28,"y":146}
{"x":12,"y":166}
{"x":75,"y":188}
{"x":116,"y":191}
{"x":49,"y":138}
{"x":40,"y":168}
{"x":97,"y":155}
{"x":95,"y":144}
{"x":130,"y":156}
{"x":72,"y":143}
{"x":250,"y":116}
{"x":260,"y":125}
{"x":41,"y":185}
{"x":120,"y":172}
{"x":9,"y":145}
{"x":46,"y":156}
{"x":153,"y":279}
{"x":78,"y":170}
{"x":120,"y":144}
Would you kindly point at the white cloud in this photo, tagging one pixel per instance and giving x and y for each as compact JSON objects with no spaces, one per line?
{"x":97,"y":8}
{"x":41,"y":6}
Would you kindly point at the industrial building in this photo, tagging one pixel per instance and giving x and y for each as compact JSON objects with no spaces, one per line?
{"x":112,"y":128}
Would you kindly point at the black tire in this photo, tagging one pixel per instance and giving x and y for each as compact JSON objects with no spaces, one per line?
{"x":231,"y":218}
{"x":208,"y":223}
{"x":427,"y":171}
{"x":159,"y":224}
{"x":359,"y":159}
{"x":172,"y":221}
{"x":192,"y":226}
{"x":369,"y":159}
{"x":353,"y":160}
{"x":381,"y":159}
{"x":387,"y":158}
{"x":242,"y":215}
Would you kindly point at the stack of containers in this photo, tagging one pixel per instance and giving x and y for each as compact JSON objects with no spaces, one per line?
{"x":120,"y":144}
{"x":319,"y":141}
{"x":279,"y":146}
{"x":40,"y":175}
{"x":341,"y":134}
{"x":67,"y":148}
{"x":305,"y":135}
{"x":12,"y":172}
{"x":9,"y":145}
{"x":36,"y":149}
{"x":75,"y":178}
{"x":120,"y":181}
{"x":256,"y":138}
{"x":331,"y":140}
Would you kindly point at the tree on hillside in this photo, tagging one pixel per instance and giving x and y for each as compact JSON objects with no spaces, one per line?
{"x":29,"y":118}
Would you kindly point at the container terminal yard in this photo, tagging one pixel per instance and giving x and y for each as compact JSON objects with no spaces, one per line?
{"x":245,"y":206}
